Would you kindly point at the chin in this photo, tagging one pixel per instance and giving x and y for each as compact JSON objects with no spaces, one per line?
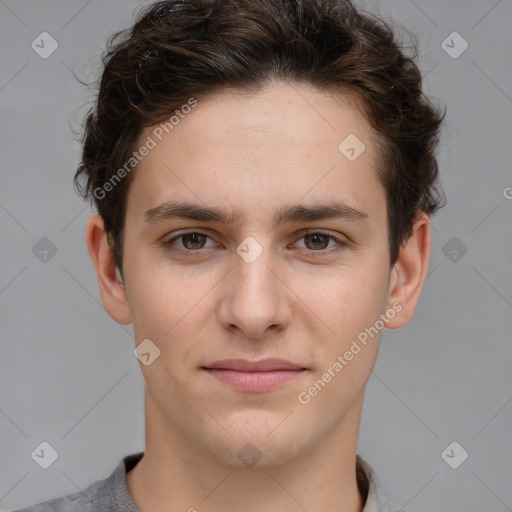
{"x":254,"y":454}
{"x":254,"y":445}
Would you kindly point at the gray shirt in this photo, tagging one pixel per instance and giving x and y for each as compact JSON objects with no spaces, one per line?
{"x":112,"y":495}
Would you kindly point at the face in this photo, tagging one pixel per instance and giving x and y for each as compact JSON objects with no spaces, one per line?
{"x":277,"y":275}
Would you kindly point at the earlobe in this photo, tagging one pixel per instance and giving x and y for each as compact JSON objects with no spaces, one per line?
{"x":409,"y":272}
{"x":109,"y":278}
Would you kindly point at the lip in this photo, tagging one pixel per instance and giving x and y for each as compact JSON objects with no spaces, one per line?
{"x":254,"y":376}
{"x":264,"y":365}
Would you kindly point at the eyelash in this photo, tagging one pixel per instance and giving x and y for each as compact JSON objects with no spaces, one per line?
{"x":168,"y":245}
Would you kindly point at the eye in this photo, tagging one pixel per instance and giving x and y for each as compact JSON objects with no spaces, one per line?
{"x":191,"y":241}
{"x":318,"y":241}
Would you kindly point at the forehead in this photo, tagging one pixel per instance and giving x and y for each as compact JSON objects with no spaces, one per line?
{"x":285,"y":143}
{"x":281,"y":115}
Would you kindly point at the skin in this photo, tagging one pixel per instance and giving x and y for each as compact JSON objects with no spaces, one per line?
{"x":255,"y":153}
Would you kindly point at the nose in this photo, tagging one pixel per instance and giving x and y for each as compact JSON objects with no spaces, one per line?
{"x":254,"y":297}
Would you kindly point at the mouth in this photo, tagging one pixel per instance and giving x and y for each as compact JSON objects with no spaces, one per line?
{"x":254,"y":376}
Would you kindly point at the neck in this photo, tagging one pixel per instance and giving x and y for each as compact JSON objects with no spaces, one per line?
{"x":177,"y":474}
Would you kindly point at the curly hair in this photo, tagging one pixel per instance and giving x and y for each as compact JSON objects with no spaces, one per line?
{"x":195,"y":48}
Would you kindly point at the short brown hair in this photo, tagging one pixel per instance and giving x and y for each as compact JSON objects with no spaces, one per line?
{"x":194,"y":48}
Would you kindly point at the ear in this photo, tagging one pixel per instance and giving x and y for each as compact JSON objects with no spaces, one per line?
{"x":109,"y":279}
{"x":409,"y":272}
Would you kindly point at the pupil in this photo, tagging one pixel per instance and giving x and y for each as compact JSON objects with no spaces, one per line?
{"x":316,"y":238}
{"x":193,"y":237}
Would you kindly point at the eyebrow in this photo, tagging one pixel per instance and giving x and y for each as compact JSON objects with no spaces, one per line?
{"x":286,"y":214}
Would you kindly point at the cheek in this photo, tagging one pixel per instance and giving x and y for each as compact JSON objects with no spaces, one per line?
{"x":350,"y":306}
{"x":346,"y":299}
{"x":161,"y":293}
{"x":171,"y":308}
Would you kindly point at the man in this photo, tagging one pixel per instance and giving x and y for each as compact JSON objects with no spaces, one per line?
{"x":264,"y":174}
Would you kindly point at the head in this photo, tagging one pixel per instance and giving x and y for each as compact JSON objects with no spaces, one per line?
{"x":267,"y":115}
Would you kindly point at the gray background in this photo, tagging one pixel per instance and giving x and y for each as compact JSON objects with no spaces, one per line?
{"x":68,"y":375}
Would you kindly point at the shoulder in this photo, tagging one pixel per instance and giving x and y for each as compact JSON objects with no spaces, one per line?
{"x":108,"y":495}
{"x":76,"y":502}
{"x":371,"y":490}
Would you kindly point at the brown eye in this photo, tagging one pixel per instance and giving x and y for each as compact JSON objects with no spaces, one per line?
{"x":193,"y":241}
{"x":318,"y":241}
